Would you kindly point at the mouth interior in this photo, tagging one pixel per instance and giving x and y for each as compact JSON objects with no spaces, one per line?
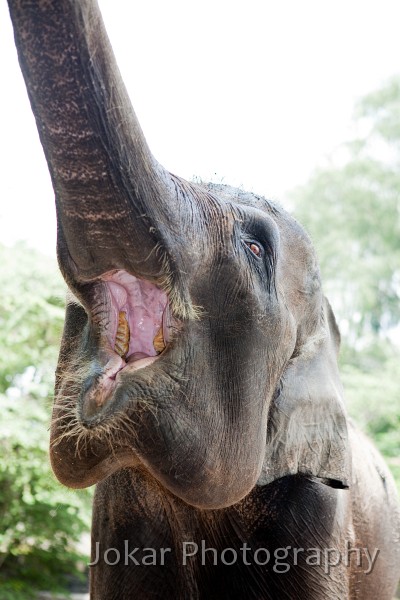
{"x":138,"y":317}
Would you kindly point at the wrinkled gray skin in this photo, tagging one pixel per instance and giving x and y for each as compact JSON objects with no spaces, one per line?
{"x":236,"y":433}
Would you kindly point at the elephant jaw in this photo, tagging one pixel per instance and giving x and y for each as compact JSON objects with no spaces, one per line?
{"x":135,"y":324}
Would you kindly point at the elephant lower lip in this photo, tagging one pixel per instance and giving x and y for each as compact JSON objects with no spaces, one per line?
{"x":136,"y":361}
{"x":137,"y":356}
{"x":139,"y":362}
{"x":101,"y":394}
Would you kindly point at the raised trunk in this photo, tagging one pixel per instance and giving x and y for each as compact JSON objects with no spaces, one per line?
{"x":117,"y":213}
{"x":104,"y":176}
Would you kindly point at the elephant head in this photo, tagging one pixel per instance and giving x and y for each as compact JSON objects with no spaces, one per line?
{"x":197,"y":344}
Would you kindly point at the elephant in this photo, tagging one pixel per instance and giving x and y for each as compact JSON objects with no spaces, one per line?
{"x":197,"y":384}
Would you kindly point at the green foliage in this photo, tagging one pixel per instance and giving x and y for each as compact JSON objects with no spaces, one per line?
{"x":352,"y":211}
{"x":373,"y":399}
{"x":32,"y":299}
{"x":382,"y":108}
{"x":40,"y":521}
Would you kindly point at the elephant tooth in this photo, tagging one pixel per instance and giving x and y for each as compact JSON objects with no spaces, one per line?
{"x":158,"y":341}
{"x":122,"y":336}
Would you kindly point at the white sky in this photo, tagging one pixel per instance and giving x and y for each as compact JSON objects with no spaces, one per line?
{"x":253,"y":93}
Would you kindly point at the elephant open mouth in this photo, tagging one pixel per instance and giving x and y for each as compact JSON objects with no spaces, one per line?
{"x":136,"y":328}
{"x":138,"y":318}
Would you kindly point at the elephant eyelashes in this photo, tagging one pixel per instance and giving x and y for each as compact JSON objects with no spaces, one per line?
{"x":265,"y":253}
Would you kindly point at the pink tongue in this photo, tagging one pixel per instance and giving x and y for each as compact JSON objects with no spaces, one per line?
{"x":146,"y":306}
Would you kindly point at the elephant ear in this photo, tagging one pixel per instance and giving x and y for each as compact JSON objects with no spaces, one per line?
{"x":307,"y":426}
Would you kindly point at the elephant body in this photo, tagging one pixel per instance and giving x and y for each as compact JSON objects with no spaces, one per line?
{"x":197,"y":383}
{"x":293,"y":538}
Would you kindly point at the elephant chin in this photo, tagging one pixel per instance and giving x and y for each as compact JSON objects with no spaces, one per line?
{"x":90,"y":429}
{"x":76,"y":468}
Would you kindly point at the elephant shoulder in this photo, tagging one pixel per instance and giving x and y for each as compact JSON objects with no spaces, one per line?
{"x":375,"y":517}
{"x":370,"y":473}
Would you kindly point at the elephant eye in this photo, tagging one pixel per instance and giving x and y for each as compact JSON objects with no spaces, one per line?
{"x":255,"y":248}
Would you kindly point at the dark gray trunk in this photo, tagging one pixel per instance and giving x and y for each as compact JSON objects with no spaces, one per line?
{"x":104,"y":176}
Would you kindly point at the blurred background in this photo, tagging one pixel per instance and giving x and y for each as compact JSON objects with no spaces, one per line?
{"x":299,"y":102}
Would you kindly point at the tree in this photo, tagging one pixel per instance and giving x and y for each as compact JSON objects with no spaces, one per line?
{"x":40,"y":521}
{"x":352,"y":212}
{"x":32,"y":299}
